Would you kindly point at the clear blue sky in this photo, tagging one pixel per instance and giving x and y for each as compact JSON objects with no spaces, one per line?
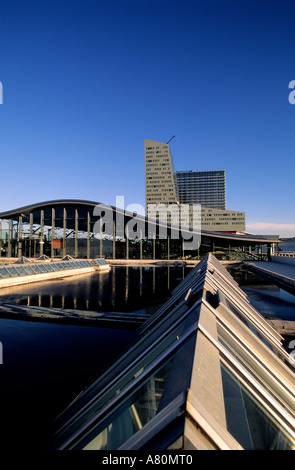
{"x":85,"y":82}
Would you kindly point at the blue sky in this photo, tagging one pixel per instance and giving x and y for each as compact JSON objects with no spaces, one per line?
{"x":85,"y":82}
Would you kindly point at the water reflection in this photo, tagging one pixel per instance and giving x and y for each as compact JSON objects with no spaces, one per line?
{"x":122,"y":289}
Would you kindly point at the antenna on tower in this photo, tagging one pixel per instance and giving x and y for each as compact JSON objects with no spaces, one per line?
{"x":170,"y":139}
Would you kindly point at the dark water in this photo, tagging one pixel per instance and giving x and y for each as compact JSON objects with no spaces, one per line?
{"x":123,"y":289}
{"x":46,"y":365}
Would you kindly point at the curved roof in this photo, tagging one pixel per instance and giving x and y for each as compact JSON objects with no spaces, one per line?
{"x":248,"y":238}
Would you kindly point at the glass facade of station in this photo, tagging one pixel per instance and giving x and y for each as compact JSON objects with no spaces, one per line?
{"x":58,"y":228}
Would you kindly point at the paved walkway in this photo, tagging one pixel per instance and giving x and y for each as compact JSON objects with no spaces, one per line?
{"x":283,"y":269}
{"x":282,"y":273}
{"x":284,"y":276}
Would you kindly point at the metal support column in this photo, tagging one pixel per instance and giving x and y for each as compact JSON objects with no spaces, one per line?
{"x":41,"y":232}
{"x":76,"y":233}
{"x":88,"y":235}
{"x":31,"y":236}
{"x":154,"y":247}
{"x":100,"y":238}
{"x":168,"y":247}
{"x":140,"y":245}
{"x":64,"y":240}
{"x":127,"y":243}
{"x":9,"y":237}
{"x":19,"y":238}
{"x":114,"y":240}
{"x":52,"y":230}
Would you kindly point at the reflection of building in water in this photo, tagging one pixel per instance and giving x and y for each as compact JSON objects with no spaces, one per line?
{"x":123,"y":288}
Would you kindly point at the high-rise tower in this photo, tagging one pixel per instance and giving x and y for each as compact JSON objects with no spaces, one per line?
{"x":205,"y":189}
{"x":160,"y":176}
{"x":202,"y":187}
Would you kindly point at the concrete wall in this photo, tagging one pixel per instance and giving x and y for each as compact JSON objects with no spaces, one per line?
{"x":16,"y":281}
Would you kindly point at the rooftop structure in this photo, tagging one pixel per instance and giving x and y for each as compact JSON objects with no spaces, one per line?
{"x":207,"y":372}
{"x":88,"y":229}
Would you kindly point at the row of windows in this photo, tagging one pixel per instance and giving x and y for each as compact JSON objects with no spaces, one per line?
{"x":201,"y":174}
{"x":156,"y":160}
{"x":157,"y":153}
{"x":224,"y":223}
{"x":225,"y":220}
{"x":195,"y":189}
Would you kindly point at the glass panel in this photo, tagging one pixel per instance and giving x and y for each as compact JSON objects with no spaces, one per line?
{"x":12,"y":271}
{"x":5,"y":273}
{"x":130,"y":416}
{"x":28,"y":270}
{"x":49,"y":267}
{"x":248,"y":421}
{"x":21,"y":271}
{"x":67,"y":266}
{"x":98,"y":397}
{"x":257,"y":333}
{"x":36,"y":269}
{"x":42,"y":268}
{"x":54,"y":267}
{"x":256,"y":369}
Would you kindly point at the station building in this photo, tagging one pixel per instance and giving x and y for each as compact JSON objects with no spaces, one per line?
{"x":88,"y":229}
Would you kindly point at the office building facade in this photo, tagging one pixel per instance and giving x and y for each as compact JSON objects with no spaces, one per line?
{"x":164,"y":186}
{"x":160,"y":175}
{"x":202,"y":187}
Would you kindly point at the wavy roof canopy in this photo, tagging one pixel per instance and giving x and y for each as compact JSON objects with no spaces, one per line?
{"x":72,"y":204}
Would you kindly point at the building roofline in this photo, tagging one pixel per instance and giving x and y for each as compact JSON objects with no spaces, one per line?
{"x":263,"y":239}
